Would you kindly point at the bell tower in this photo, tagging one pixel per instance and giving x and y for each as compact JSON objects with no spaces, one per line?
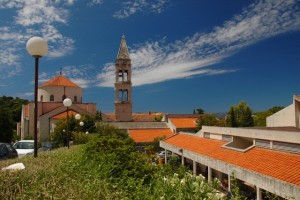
{"x":123,"y":86}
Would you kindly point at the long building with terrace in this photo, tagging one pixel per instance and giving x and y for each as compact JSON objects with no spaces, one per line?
{"x":263,"y":160}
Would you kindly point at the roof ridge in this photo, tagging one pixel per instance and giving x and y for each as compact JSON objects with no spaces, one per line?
{"x":60,"y":80}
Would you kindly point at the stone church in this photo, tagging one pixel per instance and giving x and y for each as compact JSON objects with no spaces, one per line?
{"x":51,"y":109}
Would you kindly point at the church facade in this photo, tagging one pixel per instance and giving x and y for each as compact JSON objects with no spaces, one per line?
{"x":51,"y":109}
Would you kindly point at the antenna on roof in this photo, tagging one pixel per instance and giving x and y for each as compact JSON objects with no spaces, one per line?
{"x":60,"y":72}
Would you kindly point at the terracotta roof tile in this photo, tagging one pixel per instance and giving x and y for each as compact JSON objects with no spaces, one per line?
{"x":64,"y":115}
{"x":183,"y":115}
{"x":60,"y":80}
{"x":189,"y":122}
{"x":148,"y":135}
{"x":145,"y":117}
{"x":279,"y":165}
{"x":136,"y":117}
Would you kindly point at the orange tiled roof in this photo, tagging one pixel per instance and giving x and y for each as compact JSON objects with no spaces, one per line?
{"x":148,"y":135}
{"x":64,"y":114}
{"x":279,"y":165}
{"x":60,"y":80}
{"x":189,"y":122}
{"x":136,"y":117}
{"x":145,"y":117}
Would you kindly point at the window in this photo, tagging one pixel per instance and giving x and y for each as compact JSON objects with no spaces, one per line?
{"x":120,"y":95}
{"x":51,"y":97}
{"x":42,"y":98}
{"x":126,"y":75}
{"x":124,"y":61}
{"x":75,"y":98}
{"x":120,"y":77}
{"x":125,"y":95}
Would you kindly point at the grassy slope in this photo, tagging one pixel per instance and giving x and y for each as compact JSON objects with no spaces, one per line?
{"x":59,"y":174}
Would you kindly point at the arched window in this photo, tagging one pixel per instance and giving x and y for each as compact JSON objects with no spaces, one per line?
{"x":126,"y":75}
{"x":42,"y":98}
{"x":125,"y":95}
{"x":51,"y":97}
{"x":120,"y":96}
{"x":120,"y":75}
{"x":75,"y":98}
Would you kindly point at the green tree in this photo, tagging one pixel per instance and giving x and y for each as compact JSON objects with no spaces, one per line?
{"x":240,"y":116}
{"x":10,"y":115}
{"x":198,"y":111}
{"x":14,"y":106}
{"x":206,"y":120}
{"x":209,"y":120}
{"x":230,"y":118}
{"x":89,"y":123}
{"x":260,"y":117}
{"x":6,"y":125}
{"x":155,"y":143}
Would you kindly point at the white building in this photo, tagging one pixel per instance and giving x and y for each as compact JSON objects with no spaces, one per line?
{"x":289,"y":116}
{"x":262,"y":159}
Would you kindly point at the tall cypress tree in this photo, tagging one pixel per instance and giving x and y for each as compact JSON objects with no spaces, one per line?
{"x":230,"y":118}
{"x":240,"y":116}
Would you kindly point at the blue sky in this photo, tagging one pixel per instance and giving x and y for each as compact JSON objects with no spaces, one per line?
{"x":208,"y":54}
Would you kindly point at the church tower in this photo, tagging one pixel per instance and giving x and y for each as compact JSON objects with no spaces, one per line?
{"x":123,"y":86}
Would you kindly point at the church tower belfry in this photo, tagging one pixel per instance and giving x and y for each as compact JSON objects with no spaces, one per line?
{"x":123,"y":86}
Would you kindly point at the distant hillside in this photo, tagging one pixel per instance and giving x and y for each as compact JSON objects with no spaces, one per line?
{"x":220,"y":115}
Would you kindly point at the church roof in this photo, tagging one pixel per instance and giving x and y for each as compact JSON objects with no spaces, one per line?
{"x":123,"y":50}
{"x":59,"y":80}
{"x":64,"y":114}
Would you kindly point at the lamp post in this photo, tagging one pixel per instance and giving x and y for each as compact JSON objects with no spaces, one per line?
{"x":67,"y":103}
{"x":36,"y":47}
{"x":81,"y":125}
{"x":78,"y":117}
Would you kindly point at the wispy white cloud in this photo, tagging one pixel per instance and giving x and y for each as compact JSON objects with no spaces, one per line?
{"x":33,"y":18}
{"x":157,"y":61}
{"x":94,"y":2}
{"x":130,"y":7}
{"x":82,"y":75}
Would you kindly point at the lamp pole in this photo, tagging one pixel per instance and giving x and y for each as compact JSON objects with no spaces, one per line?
{"x":81,"y":125}
{"x":67,"y":103}
{"x":36,"y":47}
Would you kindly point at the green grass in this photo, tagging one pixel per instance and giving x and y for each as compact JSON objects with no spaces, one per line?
{"x":59,"y":174}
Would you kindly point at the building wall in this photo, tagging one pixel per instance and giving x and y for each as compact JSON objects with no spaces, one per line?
{"x":172,"y":126}
{"x":58,"y":92}
{"x":267,"y":183}
{"x":123,"y":111}
{"x":284,"y":117}
{"x":46,"y":111}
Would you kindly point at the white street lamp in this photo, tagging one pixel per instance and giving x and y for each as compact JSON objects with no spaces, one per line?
{"x":77,"y":116}
{"x":36,"y":47}
{"x":67,"y":103}
{"x":81,"y":124}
